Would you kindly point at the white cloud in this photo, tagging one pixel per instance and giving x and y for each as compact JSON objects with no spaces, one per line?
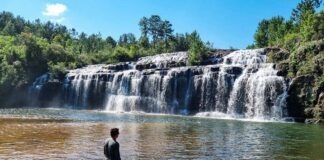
{"x":54,"y":10}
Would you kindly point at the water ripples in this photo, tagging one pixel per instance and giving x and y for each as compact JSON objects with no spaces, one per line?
{"x":152,"y":137}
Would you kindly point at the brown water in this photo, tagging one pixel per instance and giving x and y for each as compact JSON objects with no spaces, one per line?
{"x":66,"y":134}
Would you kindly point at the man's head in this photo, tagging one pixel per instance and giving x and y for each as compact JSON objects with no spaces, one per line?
{"x":114,"y":132}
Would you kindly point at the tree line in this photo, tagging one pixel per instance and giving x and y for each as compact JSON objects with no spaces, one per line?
{"x":31,"y":48}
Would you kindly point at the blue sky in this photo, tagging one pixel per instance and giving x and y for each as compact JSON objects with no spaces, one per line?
{"x":225,"y":23}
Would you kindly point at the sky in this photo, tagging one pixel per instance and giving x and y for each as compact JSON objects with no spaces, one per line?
{"x":224,"y":23}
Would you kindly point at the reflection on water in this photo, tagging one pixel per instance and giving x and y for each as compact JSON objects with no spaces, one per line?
{"x":152,"y":137}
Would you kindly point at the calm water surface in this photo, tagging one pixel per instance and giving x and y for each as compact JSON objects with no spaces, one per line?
{"x":70,"y":134}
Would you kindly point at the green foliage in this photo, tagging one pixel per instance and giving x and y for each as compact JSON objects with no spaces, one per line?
{"x":29,"y":49}
{"x":261,"y":38}
{"x":306,"y":59}
{"x":303,"y":8}
{"x":156,"y":30}
{"x":277,"y":56}
{"x":291,"y":40}
{"x":57,"y":69}
{"x":127,"y":39}
{"x":306,"y":68}
{"x":305,"y":25}
{"x":318,"y":26}
{"x":251,"y":46}
{"x":111,"y":42}
{"x":121,"y":54}
{"x":197,"y":50}
{"x":317,"y":111}
{"x":271,"y":32}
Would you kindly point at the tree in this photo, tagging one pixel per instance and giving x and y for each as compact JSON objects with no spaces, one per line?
{"x":272,"y":32}
{"x":121,"y":54}
{"x":197,"y":50}
{"x":318,"y":26}
{"x":182,"y":42}
{"x":303,"y":8}
{"x":276,"y":30}
{"x":35,"y":60}
{"x":110,"y":41}
{"x":82,"y":42}
{"x":166,"y":32}
{"x":156,"y":33}
{"x":306,"y":26}
{"x":48,"y":31}
{"x":144,"y":26}
{"x":9,"y":29}
{"x":261,"y":35}
{"x":144,"y":42}
{"x":127,"y":39}
{"x":154,"y":27}
{"x":5,"y":17}
{"x":251,"y":46}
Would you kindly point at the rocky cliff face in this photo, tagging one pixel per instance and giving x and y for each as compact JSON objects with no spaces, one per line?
{"x":300,"y":93}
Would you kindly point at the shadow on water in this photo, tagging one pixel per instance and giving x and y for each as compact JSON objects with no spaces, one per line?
{"x":70,"y":134}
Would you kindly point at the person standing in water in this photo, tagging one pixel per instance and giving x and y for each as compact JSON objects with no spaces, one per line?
{"x":111,"y":147}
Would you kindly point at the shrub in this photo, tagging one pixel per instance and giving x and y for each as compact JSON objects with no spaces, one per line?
{"x":121,"y":54}
{"x":57,"y":69}
{"x":197,"y":49}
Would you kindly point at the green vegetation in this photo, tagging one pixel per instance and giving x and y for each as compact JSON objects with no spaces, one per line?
{"x":197,"y":50}
{"x":29,"y":49}
{"x":303,"y":37}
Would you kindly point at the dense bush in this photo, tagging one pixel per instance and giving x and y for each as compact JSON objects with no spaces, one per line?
{"x":197,"y":50}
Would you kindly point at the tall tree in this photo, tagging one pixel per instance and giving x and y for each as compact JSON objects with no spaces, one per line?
{"x":144,"y":26}
{"x":127,"y":39}
{"x":197,"y":50}
{"x":304,"y":7}
{"x":318,"y":26}
{"x":166,"y":30}
{"x":110,"y":41}
{"x":261,"y":35}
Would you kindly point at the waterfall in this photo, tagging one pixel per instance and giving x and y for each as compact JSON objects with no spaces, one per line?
{"x":258,"y":93}
{"x":240,"y":84}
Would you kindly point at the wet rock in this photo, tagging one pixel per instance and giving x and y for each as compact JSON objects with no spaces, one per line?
{"x":234,"y":70}
{"x":215,"y":69}
{"x":165,"y":60}
{"x":320,"y":101}
{"x":50,"y":93}
{"x":148,"y":72}
{"x":300,"y":93}
{"x":282,"y":68}
{"x":219,"y":53}
{"x":118,"y":67}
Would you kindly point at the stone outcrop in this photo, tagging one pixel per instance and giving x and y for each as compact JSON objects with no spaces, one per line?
{"x":276,"y":54}
{"x":300,"y":94}
{"x":46,"y":91}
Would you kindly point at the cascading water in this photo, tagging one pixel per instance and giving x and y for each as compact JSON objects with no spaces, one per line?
{"x":258,"y":93}
{"x":240,"y":84}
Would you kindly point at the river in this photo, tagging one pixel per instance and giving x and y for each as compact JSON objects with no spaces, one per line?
{"x":79,"y":134}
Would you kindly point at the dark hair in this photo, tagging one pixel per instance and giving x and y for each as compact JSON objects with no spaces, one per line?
{"x":114,"y":132}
